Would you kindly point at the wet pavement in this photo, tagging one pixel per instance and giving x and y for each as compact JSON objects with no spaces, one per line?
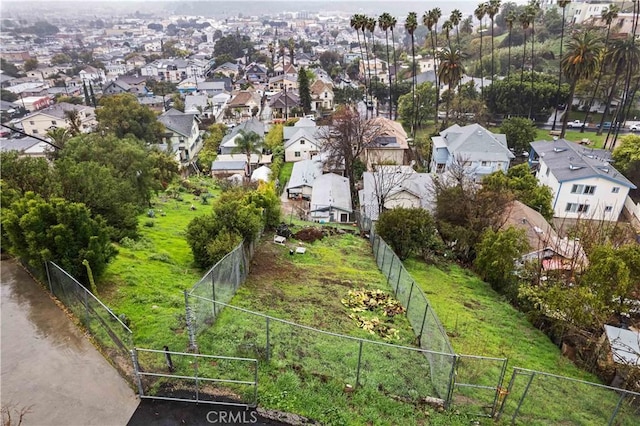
{"x":48,"y":366}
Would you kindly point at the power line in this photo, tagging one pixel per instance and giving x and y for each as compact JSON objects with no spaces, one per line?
{"x":13,"y":129}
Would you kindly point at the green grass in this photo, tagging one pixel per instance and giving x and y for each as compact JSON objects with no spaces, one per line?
{"x":575,"y":136}
{"x":285,"y":173}
{"x":481,"y":322}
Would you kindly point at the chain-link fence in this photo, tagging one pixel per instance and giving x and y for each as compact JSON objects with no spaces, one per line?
{"x":220,"y":283}
{"x":113,"y":336}
{"x":324,"y":357}
{"x":537,"y":398}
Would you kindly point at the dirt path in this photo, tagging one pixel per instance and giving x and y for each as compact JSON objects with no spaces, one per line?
{"x":49,"y":367}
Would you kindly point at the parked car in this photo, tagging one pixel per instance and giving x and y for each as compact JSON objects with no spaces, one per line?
{"x":606,"y":125}
{"x":634,"y":127}
{"x":574,"y":124}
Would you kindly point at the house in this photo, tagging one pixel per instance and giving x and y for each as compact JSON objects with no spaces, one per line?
{"x":280,"y":82}
{"x":331,"y":199}
{"x":55,"y":116}
{"x":182,"y":135}
{"x":303,"y":176}
{"x":256,"y":73}
{"x":389,"y":146}
{"x":26,"y":147}
{"x":228,"y":70}
{"x":479,"y":151}
{"x":134,"y":62}
{"x":282,"y":103}
{"x":116,"y":87}
{"x":34,"y":103}
{"x":137,"y":84}
{"x":225,"y":169}
{"x":244,"y":104}
{"x":155,"y":103}
{"x":321,"y":96}
{"x":394,"y":186}
{"x":546,"y":247}
{"x":92,"y":74}
{"x":228,"y":143}
{"x":215,"y":87}
{"x":304,"y":144}
{"x":198,"y":104}
{"x":583,"y":182}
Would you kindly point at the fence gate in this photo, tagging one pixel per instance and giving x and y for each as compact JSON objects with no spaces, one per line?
{"x":189,"y":377}
{"x":478,"y":382}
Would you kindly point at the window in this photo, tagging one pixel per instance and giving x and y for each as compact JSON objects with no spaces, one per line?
{"x":32,"y":122}
{"x":615,"y":189}
{"x":577,"y":189}
{"x":484,"y":163}
{"x":297,"y":154}
{"x":35,"y":131}
{"x":576,"y":208}
{"x":583,"y":189}
{"x":54,"y":122}
{"x":589,"y":189}
{"x":302,"y":142}
{"x":608,"y":209}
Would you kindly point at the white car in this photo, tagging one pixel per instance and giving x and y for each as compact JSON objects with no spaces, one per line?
{"x":634,"y":127}
{"x":574,"y":124}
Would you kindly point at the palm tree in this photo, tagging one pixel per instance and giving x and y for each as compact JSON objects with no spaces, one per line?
{"x":272,"y":51}
{"x":451,"y":71}
{"x":371,"y":27}
{"x":363,"y":26}
{"x":608,"y":15}
{"x":447,"y":26}
{"x":436,"y":14}
{"x":563,"y":4}
{"x":74,"y":120}
{"x":384,"y":22}
{"x":524,"y":21}
{"x":510,"y":19}
{"x":532,"y":9}
{"x":410,"y":24}
{"x":624,"y":55}
{"x":579,"y":62}
{"x":480,"y":13}
{"x":428,"y":21}
{"x":492,"y":10}
{"x":284,"y":85}
{"x":355,"y":23}
{"x":455,"y":18}
{"x":248,"y":142}
{"x":392,"y":24}
{"x":59,"y":137}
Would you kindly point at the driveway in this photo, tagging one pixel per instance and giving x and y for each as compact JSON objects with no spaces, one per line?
{"x":49,"y":367}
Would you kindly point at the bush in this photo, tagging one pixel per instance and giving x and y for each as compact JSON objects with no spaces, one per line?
{"x":223,"y":244}
{"x":408,"y":231}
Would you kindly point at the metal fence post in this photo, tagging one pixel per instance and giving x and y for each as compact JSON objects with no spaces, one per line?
{"x":524,"y":394}
{"x":46,"y":268}
{"x":86,"y":309}
{"x":384,"y":254}
{"x":398,"y":281}
{"x":424,"y":319}
{"x":389,"y":274}
{"x":359,"y":363}
{"x":409,"y":299}
{"x":136,"y":371}
{"x":268,"y":342}
{"x":615,"y":411}
{"x":506,"y":395}
{"x":213,"y":290}
{"x":188,"y":318}
{"x":195,"y":368}
{"x":452,"y":381}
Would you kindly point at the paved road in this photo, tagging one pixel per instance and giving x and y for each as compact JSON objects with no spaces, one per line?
{"x":49,"y":366}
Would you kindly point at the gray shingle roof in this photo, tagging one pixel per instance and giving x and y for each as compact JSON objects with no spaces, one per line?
{"x":304,"y":173}
{"x":19,"y":145}
{"x":474,"y":142}
{"x":571,"y":161}
{"x":228,"y":165}
{"x":251,"y":125}
{"x":177,"y":121}
{"x":331,"y":190}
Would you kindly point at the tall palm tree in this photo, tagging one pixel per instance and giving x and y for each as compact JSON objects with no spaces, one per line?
{"x":410,"y":24}
{"x":384,"y":22}
{"x":579,"y":62}
{"x":492,"y":10}
{"x":429,"y":22}
{"x":392,"y":25}
{"x":524,"y":22}
{"x":272,"y":52}
{"x":455,"y":18}
{"x":480,"y":13}
{"x":451,"y":71}
{"x":436,"y":14}
{"x":624,"y":55}
{"x":608,"y":15}
{"x":510,"y":19}
{"x":364,"y":23}
{"x":371,"y":27}
{"x":248,"y":142}
{"x":563,"y":4}
{"x":447,"y":26}
{"x":284,"y":85}
{"x":355,"y":23}
{"x":59,"y":137}
{"x":532,"y":9}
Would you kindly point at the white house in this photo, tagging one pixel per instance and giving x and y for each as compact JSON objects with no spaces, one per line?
{"x":303,"y":145}
{"x":330,"y":199}
{"x":95,"y":75}
{"x":584,"y":183}
{"x":182,"y":134}
{"x":55,"y":116}
{"x":303,"y":176}
{"x":479,"y":151}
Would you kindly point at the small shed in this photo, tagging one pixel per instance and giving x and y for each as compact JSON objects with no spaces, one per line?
{"x":624,"y":344}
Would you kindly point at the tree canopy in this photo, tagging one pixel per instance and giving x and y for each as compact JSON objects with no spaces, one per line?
{"x":122,"y":115}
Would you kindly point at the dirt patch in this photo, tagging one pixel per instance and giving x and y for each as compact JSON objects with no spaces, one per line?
{"x":309,"y":235}
{"x":473,"y":304}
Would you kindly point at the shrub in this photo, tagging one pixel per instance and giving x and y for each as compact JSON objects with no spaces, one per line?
{"x":408,"y":231}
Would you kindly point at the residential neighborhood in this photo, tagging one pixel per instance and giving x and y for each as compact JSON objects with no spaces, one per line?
{"x":289,"y":209}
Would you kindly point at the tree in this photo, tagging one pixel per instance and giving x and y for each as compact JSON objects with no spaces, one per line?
{"x":123,"y":115}
{"x":450,"y":73}
{"x":347,"y":96}
{"x":357,"y":21}
{"x":392,"y":25}
{"x":492,"y":9}
{"x":410,"y":25}
{"x":8,"y":68}
{"x":510,"y":19}
{"x":385,"y":23}
{"x":563,"y":4}
{"x":498,"y":252}
{"x":430,"y":20}
{"x":480,"y":13}
{"x":580,"y":61}
{"x":30,"y":64}
{"x":424,"y":102}
{"x":25,"y":174}
{"x":60,"y":59}
{"x":455,"y":18}
{"x":248,"y":142}
{"x":73,"y":119}
{"x":510,"y":98}
{"x":275,"y":137}
{"x":364,"y":25}
{"x":447,"y":26}
{"x":8,"y":96}
{"x":304,"y":90}
{"x":520,"y":133}
{"x":525,"y":20}
{"x":211,"y":143}
{"x":178,"y":102}
{"x":626,"y":157}
{"x":523,"y":185}
{"x":345,"y":138}
{"x":532,"y":10}
{"x":407,"y":231}
{"x":59,"y":136}
{"x":59,"y":231}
